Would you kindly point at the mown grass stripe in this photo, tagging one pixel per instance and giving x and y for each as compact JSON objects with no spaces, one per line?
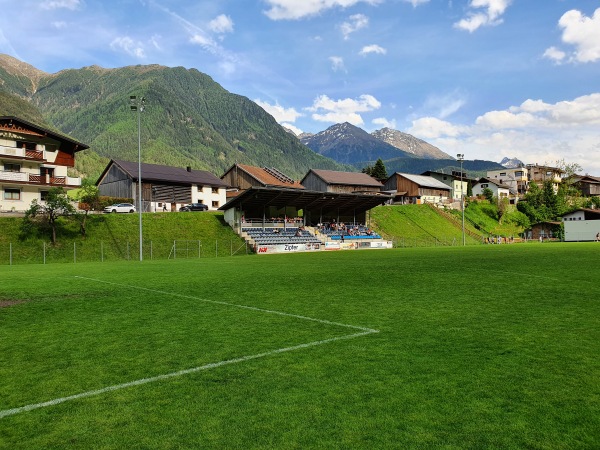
{"x":57,"y":401}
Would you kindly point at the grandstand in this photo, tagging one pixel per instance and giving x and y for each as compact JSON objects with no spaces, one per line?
{"x":279,"y":220}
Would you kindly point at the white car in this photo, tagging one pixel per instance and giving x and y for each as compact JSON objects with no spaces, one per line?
{"x":120,"y":208}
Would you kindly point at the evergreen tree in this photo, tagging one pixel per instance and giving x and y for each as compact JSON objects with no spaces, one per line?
{"x":378,"y":172}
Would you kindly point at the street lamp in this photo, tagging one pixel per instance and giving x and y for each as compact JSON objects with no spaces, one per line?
{"x":137,"y":104}
{"x":461,"y":158}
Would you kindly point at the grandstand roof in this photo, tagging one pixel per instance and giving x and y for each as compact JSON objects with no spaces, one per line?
{"x":255,"y":199}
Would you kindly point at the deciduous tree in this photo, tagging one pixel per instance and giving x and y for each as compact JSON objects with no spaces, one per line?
{"x":57,"y":204}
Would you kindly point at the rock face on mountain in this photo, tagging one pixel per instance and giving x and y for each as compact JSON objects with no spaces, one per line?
{"x":349,"y":144}
{"x":410,"y":144}
{"x":511,"y":163}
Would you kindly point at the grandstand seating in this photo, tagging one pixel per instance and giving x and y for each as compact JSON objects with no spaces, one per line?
{"x":351,"y":232}
{"x":269,"y":236}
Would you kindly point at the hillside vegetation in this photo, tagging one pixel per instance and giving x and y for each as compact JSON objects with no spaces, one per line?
{"x":116,"y":237}
{"x":189,"y":119}
{"x":420,"y":225}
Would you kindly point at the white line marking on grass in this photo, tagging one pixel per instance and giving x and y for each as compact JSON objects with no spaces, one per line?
{"x":234,"y":305}
{"x":363,"y":332}
{"x":116,"y":387}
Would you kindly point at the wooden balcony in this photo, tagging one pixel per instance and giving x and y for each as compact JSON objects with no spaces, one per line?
{"x":35,"y":155}
{"x":45,"y":179}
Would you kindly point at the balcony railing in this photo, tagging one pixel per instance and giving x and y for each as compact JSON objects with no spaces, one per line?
{"x":23,"y":177}
{"x":37,"y":155}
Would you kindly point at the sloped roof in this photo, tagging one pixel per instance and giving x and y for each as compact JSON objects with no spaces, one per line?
{"x":254,"y":200}
{"x":488,"y":180}
{"x":424,"y":181}
{"x":179,"y":175}
{"x":267,"y":178}
{"x":10,"y":121}
{"x":347,"y":178}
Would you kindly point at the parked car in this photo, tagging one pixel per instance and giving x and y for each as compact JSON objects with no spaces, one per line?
{"x":194,"y":207}
{"x":120,"y":208}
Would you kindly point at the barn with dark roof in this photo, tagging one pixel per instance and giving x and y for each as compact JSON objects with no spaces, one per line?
{"x":163,"y":187}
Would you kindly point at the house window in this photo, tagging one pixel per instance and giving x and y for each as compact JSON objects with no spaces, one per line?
{"x":200,"y":187}
{"x":43,"y":195}
{"x":502,"y":174}
{"x":483,"y":186}
{"x":215,"y":204}
{"x":26,"y":145}
{"x":215,"y":190}
{"x":12,"y":167}
{"x":518,"y":174}
{"x":12,"y":194}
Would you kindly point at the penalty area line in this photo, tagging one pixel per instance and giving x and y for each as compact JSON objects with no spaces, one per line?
{"x":116,"y":387}
{"x":231,"y":305}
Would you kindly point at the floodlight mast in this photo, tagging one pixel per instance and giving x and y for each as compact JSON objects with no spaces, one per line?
{"x":137,"y":104}
{"x":461,"y":158}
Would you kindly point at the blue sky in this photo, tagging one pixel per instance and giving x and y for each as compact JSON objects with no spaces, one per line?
{"x":487,"y":78}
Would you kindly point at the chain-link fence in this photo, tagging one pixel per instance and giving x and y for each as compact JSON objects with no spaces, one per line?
{"x":78,"y":252}
{"x":433,"y":242}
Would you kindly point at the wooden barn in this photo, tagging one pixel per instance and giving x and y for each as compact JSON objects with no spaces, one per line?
{"x":164,"y":188}
{"x":341,"y":182}
{"x":243,"y":177}
{"x":408,"y":188}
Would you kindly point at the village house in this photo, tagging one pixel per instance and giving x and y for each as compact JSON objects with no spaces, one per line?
{"x":164,"y":188}
{"x":33,"y":159}
{"x":408,"y":188}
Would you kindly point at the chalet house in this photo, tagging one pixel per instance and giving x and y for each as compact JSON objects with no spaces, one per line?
{"x":582,"y":225}
{"x":589,"y":186}
{"x":33,"y":160}
{"x":164,"y":188}
{"x":517,"y":179}
{"x":540,"y":174}
{"x":409,"y":188}
{"x":499,"y":190}
{"x":457,"y":181}
{"x":342,"y":182}
{"x":243,"y":177}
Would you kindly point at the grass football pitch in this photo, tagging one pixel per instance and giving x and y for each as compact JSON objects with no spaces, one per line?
{"x":476,"y":347}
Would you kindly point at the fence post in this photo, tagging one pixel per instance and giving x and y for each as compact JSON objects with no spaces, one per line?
{"x":151,"y":249}
{"x":174,"y":249}
{"x":216,"y":248}
{"x":10,"y":253}
{"x":128,"y":251}
{"x":74,"y":252}
{"x":44,"y":252}
{"x":101,"y":251}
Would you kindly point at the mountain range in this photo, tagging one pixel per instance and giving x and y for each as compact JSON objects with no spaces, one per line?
{"x":190,"y":120}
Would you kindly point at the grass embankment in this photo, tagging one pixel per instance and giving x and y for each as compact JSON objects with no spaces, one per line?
{"x":461,"y":359}
{"x":483,"y":216}
{"x":116,"y":236}
{"x":420,"y":225}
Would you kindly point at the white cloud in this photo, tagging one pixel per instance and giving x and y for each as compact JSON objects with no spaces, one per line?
{"x":583,"y":33}
{"x":383,"y":122}
{"x":355,"y":23}
{"x":59,"y":25}
{"x":61,"y":4}
{"x":554,"y":54}
{"x":129,"y":46}
{"x":221,"y":24}
{"x":373,"y":49}
{"x":534,"y":131}
{"x":432,"y":128}
{"x":325,"y":109}
{"x":444,"y":105}
{"x":297,"y":131}
{"x":490,"y":16}
{"x":280,"y":113}
{"x":295,"y":9}
{"x":337,"y":63}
